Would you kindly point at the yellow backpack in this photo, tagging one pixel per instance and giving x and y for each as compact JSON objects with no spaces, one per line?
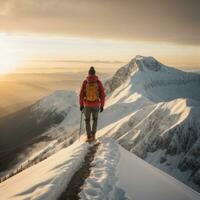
{"x":92,"y":91}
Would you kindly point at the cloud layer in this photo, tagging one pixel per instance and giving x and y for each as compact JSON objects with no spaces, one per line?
{"x":176,"y":21}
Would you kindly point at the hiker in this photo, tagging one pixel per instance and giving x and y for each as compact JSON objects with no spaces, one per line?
{"x":92,"y":99}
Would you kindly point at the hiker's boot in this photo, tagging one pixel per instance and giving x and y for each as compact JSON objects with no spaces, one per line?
{"x":93,"y":138}
{"x":89,"y":138}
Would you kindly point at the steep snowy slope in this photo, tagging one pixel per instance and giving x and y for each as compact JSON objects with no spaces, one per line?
{"x":116,"y":174}
{"x":154,"y":111}
{"x":62,"y":103}
{"x":47,"y":179}
{"x":142,"y":181}
{"x":38,"y":131}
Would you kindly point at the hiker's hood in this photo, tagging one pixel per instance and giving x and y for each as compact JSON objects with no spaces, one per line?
{"x":92,"y":78}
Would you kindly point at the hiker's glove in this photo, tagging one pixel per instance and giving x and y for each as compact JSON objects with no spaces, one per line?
{"x":81,"y":108}
{"x":101,"y":109}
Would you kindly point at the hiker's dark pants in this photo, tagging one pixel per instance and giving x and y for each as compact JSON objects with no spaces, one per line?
{"x":91,"y":111}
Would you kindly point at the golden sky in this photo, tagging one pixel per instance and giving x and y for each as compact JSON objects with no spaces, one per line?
{"x":99,"y":30}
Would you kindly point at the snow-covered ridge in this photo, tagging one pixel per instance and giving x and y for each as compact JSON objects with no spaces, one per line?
{"x":103,"y":180}
{"x":63,"y":103}
{"x":53,"y":120}
{"x":47,"y":179}
{"x":116,"y":174}
{"x":165,"y":134}
{"x":149,"y":63}
{"x":58,"y":101}
{"x":153,"y":111}
{"x":139,"y":63}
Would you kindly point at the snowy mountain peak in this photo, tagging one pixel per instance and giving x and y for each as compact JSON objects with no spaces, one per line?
{"x":155,"y":81}
{"x":142,"y":62}
{"x":149,"y":63}
{"x":138,"y":63}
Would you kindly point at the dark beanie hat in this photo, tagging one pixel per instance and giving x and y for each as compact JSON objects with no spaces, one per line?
{"x":91,"y":71}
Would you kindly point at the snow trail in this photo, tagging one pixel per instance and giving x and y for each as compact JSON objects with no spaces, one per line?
{"x":102,"y":184}
{"x":77,"y":181}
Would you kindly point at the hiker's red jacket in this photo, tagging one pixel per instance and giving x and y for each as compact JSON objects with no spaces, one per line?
{"x":98,"y":103}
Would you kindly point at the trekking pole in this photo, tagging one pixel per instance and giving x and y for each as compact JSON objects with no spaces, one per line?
{"x":80,"y":125}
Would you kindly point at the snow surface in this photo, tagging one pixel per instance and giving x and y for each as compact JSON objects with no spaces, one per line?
{"x":152,"y":111}
{"x":102,"y":184}
{"x":47,"y":179}
{"x":59,"y":101}
{"x":142,"y":181}
{"x":116,"y":175}
{"x":153,"y":108}
{"x":64,"y":103}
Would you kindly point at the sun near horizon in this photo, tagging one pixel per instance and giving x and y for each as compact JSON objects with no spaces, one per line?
{"x":126,"y":128}
{"x":80,"y":37}
{"x":28,"y":51}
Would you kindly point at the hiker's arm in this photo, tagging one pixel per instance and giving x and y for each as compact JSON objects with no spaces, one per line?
{"x":81,"y":95}
{"x":102,"y":94}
